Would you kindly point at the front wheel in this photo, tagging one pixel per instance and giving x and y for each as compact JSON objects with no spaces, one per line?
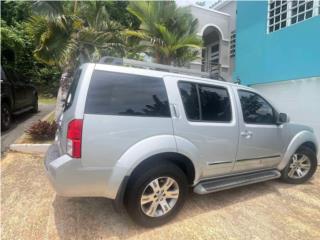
{"x":301,"y":166}
{"x":156,"y":194}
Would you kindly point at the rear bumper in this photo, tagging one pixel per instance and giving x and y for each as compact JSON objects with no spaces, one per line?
{"x":70,"y":178}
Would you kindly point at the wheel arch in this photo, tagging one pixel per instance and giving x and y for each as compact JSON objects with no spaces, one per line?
{"x":310,"y":145}
{"x":178,"y":159}
{"x":303,"y":138}
{"x":150,"y":151}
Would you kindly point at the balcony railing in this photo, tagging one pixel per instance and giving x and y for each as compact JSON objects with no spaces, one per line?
{"x":214,"y":69}
{"x":210,"y":67}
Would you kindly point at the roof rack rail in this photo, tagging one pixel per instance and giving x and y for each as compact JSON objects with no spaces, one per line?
{"x":154,"y":66}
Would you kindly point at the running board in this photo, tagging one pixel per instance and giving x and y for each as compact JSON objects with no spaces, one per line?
{"x":219,"y":184}
{"x":22,"y":110}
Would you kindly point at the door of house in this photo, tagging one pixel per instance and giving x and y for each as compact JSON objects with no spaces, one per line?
{"x":213,"y":56}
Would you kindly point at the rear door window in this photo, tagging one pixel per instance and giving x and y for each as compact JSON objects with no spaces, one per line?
{"x":189,"y":95}
{"x":215,"y":104}
{"x":112,"y":93}
{"x":205,"y":102}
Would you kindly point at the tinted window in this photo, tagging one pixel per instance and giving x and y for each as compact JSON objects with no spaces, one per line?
{"x":3,"y":76}
{"x":255,"y":109}
{"x":72,"y":89}
{"x":190,"y":101}
{"x":113,"y":93}
{"x":215,"y":104}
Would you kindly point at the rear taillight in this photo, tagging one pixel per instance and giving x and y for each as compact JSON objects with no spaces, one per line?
{"x":74,"y":138}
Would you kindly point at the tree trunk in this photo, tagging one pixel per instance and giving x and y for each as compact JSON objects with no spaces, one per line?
{"x":65,"y":82}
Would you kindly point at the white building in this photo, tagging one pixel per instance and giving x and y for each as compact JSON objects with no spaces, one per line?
{"x":217,"y":29}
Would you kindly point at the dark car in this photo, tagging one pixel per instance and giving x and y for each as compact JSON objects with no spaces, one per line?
{"x":17,"y":96}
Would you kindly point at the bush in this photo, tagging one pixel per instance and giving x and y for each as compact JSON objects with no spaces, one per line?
{"x":42,"y":130}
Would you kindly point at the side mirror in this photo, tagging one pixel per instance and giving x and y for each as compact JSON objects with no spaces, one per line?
{"x":282,"y":118}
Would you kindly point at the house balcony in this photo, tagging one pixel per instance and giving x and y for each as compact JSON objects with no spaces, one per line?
{"x":214,"y":28}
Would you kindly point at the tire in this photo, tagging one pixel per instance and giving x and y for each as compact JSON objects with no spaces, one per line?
{"x":139,"y":185}
{"x":6,"y":116}
{"x":286,"y":176}
{"x":35,"y":104}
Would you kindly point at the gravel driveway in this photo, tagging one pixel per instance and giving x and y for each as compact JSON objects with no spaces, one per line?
{"x":272,"y":210}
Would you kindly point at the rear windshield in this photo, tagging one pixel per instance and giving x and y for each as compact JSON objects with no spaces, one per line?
{"x":112,"y":93}
{"x":72,"y":89}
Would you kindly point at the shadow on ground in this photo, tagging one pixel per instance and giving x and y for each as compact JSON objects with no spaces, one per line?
{"x":91,"y":218}
{"x":271,"y":210}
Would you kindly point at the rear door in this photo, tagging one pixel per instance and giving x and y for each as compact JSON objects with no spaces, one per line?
{"x":207,"y":119}
{"x":19,"y":91}
{"x":122,"y":109}
{"x":260,"y":141}
{"x":29,"y":90}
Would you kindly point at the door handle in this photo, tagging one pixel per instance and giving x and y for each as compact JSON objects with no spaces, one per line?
{"x":175,"y":110}
{"x":246,"y":134}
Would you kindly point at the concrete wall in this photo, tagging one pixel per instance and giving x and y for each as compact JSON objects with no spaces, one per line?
{"x":299,"y":98}
{"x":229,"y":7}
{"x":221,"y":21}
{"x":290,"y":53}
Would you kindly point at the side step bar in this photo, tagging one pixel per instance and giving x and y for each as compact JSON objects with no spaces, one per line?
{"x":22,"y":110}
{"x":219,"y":184}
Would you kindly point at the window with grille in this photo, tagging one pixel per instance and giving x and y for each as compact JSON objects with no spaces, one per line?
{"x":283,"y":13}
{"x":233,"y":44}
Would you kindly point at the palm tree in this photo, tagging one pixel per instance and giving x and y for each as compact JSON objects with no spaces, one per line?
{"x":70,"y":33}
{"x":167,"y":31}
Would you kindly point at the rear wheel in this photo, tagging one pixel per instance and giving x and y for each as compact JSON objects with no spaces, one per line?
{"x":301,"y":166}
{"x":5,"y":116}
{"x":156,"y":194}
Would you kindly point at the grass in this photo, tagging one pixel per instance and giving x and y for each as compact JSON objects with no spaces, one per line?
{"x":47,"y":100}
{"x":51,"y":118}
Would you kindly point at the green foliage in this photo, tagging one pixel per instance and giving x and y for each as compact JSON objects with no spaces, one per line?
{"x":17,"y":47}
{"x":13,"y":12}
{"x":40,"y":39}
{"x":72,"y":33}
{"x":168,"y":31}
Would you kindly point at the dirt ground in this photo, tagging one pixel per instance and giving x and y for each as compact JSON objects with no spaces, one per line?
{"x":271,"y":210}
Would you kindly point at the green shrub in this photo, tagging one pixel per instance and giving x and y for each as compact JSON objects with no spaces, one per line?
{"x":42,"y":130}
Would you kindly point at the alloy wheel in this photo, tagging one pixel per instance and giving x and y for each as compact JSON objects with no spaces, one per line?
{"x":159,"y":196}
{"x":299,"y":167}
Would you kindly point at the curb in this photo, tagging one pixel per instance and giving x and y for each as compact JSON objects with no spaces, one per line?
{"x":30,"y":148}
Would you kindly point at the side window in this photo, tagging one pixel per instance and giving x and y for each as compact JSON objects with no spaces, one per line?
{"x":3,"y":75}
{"x":72,"y":89}
{"x":215,"y":104}
{"x":255,"y":109}
{"x":190,"y":100}
{"x":112,"y":93}
{"x":205,"y":102}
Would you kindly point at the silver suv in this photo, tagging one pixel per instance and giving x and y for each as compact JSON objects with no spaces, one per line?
{"x":144,"y":137}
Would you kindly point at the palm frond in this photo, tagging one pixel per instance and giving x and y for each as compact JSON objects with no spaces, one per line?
{"x":50,"y":9}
